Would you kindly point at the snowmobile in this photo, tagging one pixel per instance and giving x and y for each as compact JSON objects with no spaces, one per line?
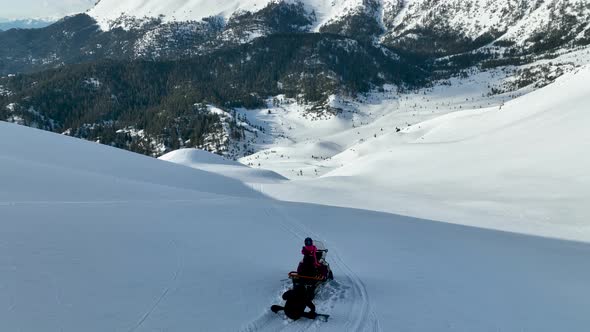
{"x":310,"y":276}
{"x":306,"y":281}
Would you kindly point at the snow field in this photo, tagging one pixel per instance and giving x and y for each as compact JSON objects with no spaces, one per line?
{"x":209,"y":254}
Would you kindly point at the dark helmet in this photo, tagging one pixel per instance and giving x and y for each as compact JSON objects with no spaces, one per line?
{"x":308,"y":241}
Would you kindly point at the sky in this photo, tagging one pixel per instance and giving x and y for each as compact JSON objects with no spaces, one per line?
{"x":11,"y":9}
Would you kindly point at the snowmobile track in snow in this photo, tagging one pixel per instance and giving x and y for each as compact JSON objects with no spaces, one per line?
{"x":164,"y":293}
{"x":360,"y":316}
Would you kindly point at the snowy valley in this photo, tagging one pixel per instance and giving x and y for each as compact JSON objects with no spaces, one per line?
{"x":437,"y":148}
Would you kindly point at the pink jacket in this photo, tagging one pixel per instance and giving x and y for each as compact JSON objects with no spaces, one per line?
{"x":311,"y":250}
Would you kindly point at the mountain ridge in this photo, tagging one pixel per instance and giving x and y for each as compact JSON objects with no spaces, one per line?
{"x":346,"y":52}
{"x":108,"y":11}
{"x":391,"y":22}
{"x":479,"y":29}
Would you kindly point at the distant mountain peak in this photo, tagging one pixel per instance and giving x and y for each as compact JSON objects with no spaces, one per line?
{"x":26,"y":23}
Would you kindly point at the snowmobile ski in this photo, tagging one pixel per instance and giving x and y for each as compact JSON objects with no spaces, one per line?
{"x":277,"y":308}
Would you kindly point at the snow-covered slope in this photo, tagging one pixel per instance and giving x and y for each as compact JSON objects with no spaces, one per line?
{"x":98,"y":239}
{"x":207,"y":161}
{"x":519,"y":167}
{"x":27,"y":171}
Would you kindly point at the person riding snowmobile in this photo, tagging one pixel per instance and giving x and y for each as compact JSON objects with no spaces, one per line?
{"x":310,"y":251}
{"x":313,"y":265}
{"x":309,"y":266}
{"x":297,"y":300}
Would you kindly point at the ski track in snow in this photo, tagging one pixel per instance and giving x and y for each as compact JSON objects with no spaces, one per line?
{"x":347,"y":286}
{"x":164,"y":293}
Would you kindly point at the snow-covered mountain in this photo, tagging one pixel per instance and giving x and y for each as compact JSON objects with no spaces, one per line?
{"x":442,"y":146}
{"x":455,"y":25}
{"x":107,"y":11}
{"x":309,"y":53}
{"x":514,"y":20}
{"x":506,"y":31}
